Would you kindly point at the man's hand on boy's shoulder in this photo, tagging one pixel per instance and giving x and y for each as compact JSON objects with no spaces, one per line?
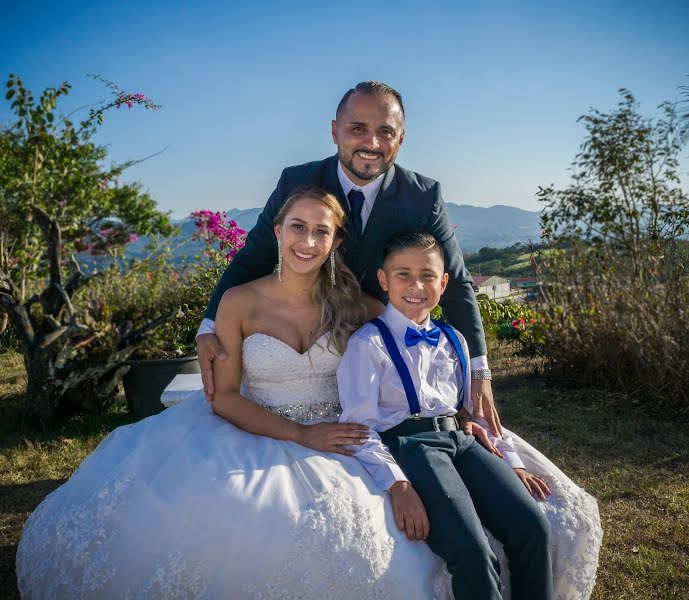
{"x":410,"y":513}
{"x":484,"y":405}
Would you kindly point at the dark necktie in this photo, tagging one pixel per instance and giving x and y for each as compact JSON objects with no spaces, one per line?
{"x":414,"y":336}
{"x":356,"y":203}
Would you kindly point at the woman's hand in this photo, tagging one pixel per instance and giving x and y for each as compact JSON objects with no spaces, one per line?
{"x":333,"y":437}
{"x":536,"y":485}
{"x":470,"y":427}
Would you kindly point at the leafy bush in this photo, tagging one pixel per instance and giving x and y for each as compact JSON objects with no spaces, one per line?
{"x":510,"y":321}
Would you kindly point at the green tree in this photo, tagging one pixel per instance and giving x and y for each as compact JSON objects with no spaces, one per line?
{"x":626,"y":191}
{"x":57,"y":198}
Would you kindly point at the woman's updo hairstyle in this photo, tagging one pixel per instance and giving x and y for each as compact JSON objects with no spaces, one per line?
{"x":341,"y":306}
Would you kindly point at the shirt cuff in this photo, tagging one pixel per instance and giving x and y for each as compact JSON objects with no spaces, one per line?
{"x":394,"y":475}
{"x":512,"y":459}
{"x":207,"y":326}
{"x":477,"y":362}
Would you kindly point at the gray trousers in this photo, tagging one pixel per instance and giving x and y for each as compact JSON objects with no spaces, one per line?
{"x":463,"y":486}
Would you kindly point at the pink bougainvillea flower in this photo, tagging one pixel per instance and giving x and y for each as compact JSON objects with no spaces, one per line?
{"x":214,"y":228}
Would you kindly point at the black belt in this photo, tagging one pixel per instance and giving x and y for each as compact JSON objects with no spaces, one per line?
{"x":421,"y":424}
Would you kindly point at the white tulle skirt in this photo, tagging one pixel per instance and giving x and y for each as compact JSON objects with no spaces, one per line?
{"x":186,"y":505}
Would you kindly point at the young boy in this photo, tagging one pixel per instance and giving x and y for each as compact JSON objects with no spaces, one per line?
{"x":407,"y":378}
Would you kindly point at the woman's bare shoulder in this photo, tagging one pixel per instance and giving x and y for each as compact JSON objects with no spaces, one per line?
{"x":245,"y":297}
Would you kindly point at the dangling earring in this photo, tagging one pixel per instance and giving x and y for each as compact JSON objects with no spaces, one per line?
{"x":279,"y":262}
{"x":332,"y":269}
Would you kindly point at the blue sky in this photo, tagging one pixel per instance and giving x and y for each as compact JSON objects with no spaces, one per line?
{"x":492,"y":90}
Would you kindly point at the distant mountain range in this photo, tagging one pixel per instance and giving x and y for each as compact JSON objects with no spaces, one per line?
{"x":497,"y":226}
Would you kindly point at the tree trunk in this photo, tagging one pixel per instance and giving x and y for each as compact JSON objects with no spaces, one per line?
{"x":43,"y":394}
{"x":75,"y":387}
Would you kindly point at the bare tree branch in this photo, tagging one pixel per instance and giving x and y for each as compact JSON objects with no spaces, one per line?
{"x":77,"y":279}
{"x":138,"y":335}
{"x":51,"y":232}
{"x":20,"y":319}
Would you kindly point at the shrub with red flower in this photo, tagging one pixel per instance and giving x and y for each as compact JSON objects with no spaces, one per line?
{"x":519,"y":324}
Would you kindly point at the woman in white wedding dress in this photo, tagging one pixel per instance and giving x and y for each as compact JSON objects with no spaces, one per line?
{"x":191,"y":504}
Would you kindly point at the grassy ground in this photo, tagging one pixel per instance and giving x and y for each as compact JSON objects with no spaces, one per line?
{"x":637,"y":467}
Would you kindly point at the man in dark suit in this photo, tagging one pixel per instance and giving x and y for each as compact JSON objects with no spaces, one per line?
{"x":379,"y":198}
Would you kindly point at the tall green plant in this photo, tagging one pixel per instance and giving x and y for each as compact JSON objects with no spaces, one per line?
{"x":616,"y":296}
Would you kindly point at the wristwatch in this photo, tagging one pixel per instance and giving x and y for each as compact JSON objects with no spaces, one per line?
{"x":481,"y":374}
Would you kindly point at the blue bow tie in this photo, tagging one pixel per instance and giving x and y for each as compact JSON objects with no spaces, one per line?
{"x":414,"y":336}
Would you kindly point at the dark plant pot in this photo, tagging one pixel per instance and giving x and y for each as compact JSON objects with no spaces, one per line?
{"x":146,"y":379}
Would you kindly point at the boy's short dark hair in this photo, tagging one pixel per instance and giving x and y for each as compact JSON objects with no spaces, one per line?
{"x":412,"y":239}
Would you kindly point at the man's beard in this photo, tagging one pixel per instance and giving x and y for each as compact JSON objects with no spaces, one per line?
{"x":368,"y":174}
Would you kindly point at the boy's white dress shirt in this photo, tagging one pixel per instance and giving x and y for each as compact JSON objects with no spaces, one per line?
{"x":371,"y":391}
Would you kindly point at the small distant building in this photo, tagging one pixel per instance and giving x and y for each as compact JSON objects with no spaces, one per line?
{"x":493,"y":286}
{"x":527,"y":285}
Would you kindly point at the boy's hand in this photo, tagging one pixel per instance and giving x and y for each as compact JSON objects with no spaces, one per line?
{"x":536,"y":485}
{"x":470,"y":427}
{"x":410,"y":514}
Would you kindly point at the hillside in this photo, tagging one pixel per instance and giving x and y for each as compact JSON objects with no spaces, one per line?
{"x":511,"y":262}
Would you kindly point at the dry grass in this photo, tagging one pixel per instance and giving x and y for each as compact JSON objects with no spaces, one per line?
{"x":637,"y":467}
{"x":613,"y":326}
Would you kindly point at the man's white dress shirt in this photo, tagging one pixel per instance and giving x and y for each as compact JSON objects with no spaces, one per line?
{"x":370,"y":191}
{"x":371,"y":391}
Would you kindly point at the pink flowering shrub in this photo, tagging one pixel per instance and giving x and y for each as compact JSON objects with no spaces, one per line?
{"x":134,"y":99}
{"x":215,"y":228}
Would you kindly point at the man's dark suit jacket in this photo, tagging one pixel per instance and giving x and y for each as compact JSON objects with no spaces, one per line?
{"x":406,"y":201}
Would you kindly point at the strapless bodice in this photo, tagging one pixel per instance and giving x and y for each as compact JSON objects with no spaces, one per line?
{"x":301,"y":387}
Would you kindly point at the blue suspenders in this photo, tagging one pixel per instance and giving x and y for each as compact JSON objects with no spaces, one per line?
{"x":403,"y":370}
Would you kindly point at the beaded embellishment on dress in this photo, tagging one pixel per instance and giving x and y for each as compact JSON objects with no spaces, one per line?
{"x":308,"y":388}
